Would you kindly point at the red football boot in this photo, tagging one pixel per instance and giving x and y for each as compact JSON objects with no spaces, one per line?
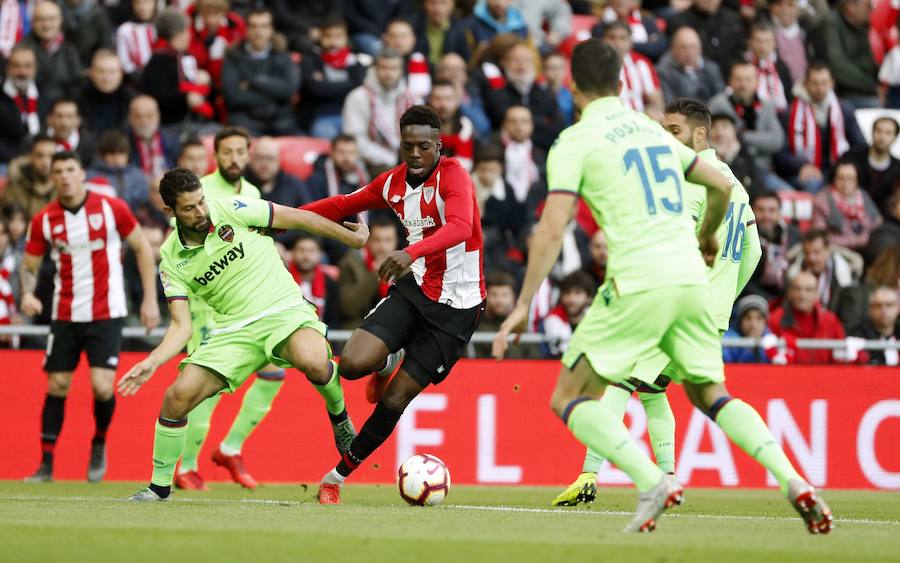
{"x":329,"y":494}
{"x":235,"y":465}
{"x":380,"y":380}
{"x":190,"y":481}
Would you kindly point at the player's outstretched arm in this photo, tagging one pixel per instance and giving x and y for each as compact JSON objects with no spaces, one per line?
{"x":547,"y":242}
{"x":146,"y":265}
{"x":176,"y":338}
{"x":718,"y":193}
{"x":353,"y":235}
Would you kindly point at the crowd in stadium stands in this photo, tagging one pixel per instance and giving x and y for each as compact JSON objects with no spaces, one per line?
{"x":138,"y":86}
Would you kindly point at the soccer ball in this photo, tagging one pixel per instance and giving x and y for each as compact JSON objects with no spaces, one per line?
{"x":423,"y":480}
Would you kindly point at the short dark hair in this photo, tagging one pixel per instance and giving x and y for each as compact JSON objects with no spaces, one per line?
{"x":721,"y":116}
{"x":816,"y":66}
{"x":813,"y":235}
{"x":696,"y":112}
{"x":41,"y":138}
{"x":842,"y":161}
{"x":762,"y":26}
{"x":60,"y":101}
{"x":192,"y":141}
{"x":169,"y":23}
{"x":230,"y":131}
{"x":301,"y":236}
{"x":259,"y":11}
{"x":579,"y":279}
{"x":442,"y":83}
{"x":381,"y":221}
{"x":113,"y":141}
{"x":65,"y":155}
{"x":500,"y":278}
{"x":490,"y":152}
{"x":613,"y":25}
{"x":388,"y":53}
{"x":420,"y":115}
{"x":343,"y":138}
{"x":333,"y":21}
{"x":397,"y":20}
{"x":737,"y":64}
{"x":888,"y":119}
{"x":177,"y":181}
{"x":767,"y":194}
{"x":596,"y":67}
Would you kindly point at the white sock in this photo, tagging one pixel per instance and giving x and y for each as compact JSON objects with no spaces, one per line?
{"x":227,"y":450}
{"x":182,"y":470}
{"x":333,"y":478}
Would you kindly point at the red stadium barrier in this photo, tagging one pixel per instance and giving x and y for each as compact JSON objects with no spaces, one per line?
{"x":490,"y":422}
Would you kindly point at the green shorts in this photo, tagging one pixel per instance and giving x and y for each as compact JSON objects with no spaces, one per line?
{"x":235,"y":353}
{"x":636,"y":335}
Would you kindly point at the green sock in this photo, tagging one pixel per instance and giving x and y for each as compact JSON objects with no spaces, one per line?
{"x":604,"y":432}
{"x":257,"y":404}
{"x":661,"y":427}
{"x":616,"y":399}
{"x":197,"y":429}
{"x":167,"y":446}
{"x":746,"y":428}
{"x":332,"y":392}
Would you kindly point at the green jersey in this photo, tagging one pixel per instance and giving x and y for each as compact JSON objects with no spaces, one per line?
{"x":216,"y":187}
{"x":630,"y":172}
{"x":736,"y":235}
{"x":236,"y":271}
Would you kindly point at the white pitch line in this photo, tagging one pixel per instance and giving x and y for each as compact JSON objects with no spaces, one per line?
{"x":521,"y":509}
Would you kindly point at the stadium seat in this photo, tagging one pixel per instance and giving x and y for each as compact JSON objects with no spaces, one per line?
{"x":581,"y":30}
{"x":797,"y":208}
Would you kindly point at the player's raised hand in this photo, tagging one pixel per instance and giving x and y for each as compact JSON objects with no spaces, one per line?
{"x":31,"y":305}
{"x":709,"y":248}
{"x":361,"y":230}
{"x":515,"y":323}
{"x":149,"y":314}
{"x":394,"y":265}
{"x":136,"y":376}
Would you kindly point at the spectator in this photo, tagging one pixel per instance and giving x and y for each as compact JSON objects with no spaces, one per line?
{"x":498,"y":304}
{"x":341,"y":172}
{"x":845,"y":210}
{"x":22,"y":105}
{"x":576,"y":291}
{"x":359,"y":287}
{"x":152,"y":150}
{"x":521,"y":88}
{"x":457,"y":131}
{"x":303,"y":21}
{"x":556,"y":74}
{"x":820,"y":129}
{"x":503,"y":216}
{"x":790,"y":36}
{"x":776,"y":238}
{"x":318,"y":284}
{"x":213,"y":29}
{"x":369,"y":18}
{"x":803,"y":317}
{"x":554,"y":16}
{"x":751,"y":320}
{"x":494,"y":17}
{"x":64,"y":127}
{"x":720,"y":28}
{"x":599,"y":254}
{"x":844,"y":43}
{"x":774,"y":82}
{"x":30,"y":186}
{"x":879,"y":171}
{"x":835,"y":269}
{"x":889,"y":75}
{"x":640,"y":89}
{"x":372,"y":111}
{"x":887,"y":234}
{"x":724,"y":138}
{"x":87,"y":28}
{"x":104,"y":99}
{"x":58,"y":65}
{"x":264,"y":172}
{"x":259,"y":79}
{"x":882,"y":324}
{"x":128,"y":181}
{"x":453,"y":69}
{"x":647,"y":39}
{"x":524,"y":162}
{"x":758,"y":126}
{"x":328,"y":75}
{"x":136,"y":37}
{"x":400,"y":37}
{"x":9,"y":314}
{"x":172,"y":77}
{"x":439,"y":32}
{"x":194,"y":157}
{"x":685,"y":72}
{"x":15,"y":16}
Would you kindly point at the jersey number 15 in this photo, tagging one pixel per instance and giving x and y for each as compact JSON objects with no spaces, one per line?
{"x":661,"y":175}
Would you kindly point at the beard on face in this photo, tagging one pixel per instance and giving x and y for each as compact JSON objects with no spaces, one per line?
{"x":232,"y":174}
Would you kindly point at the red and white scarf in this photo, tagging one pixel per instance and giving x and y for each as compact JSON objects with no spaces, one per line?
{"x":369,"y":261}
{"x":338,"y":59}
{"x":853,"y":208}
{"x":27,"y":104}
{"x":495,"y":78}
{"x":635,"y":22}
{"x":70,"y":143}
{"x":639,"y":80}
{"x":54,"y":44}
{"x":313,"y":290}
{"x":418,"y":77}
{"x":770,"y":87}
{"x":12,"y":24}
{"x":461,"y":144}
{"x":805,"y":135}
{"x":521,"y":172}
{"x":384,"y":129}
{"x":151,"y":156}
{"x":134,"y":43}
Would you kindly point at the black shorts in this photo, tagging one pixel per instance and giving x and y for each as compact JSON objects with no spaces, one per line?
{"x":102,"y":341}
{"x":434,"y":335}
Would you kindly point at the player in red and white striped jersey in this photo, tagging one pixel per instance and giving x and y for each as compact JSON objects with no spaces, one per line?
{"x":84,"y":232}
{"x":429,"y":314}
{"x":640,"y":88}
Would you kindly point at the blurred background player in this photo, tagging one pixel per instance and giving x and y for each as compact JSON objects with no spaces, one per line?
{"x":84,"y":232}
{"x":655,"y":274}
{"x":425,"y":322}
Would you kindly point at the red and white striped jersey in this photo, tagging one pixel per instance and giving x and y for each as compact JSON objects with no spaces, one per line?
{"x":86,"y":245}
{"x":134,"y":45}
{"x":639,"y":79}
{"x":443,"y":228}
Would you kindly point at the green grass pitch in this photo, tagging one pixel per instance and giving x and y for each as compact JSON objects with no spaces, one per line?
{"x":67,"y":521}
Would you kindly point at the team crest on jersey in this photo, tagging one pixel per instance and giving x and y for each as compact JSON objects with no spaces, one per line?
{"x":95,"y":220}
{"x":226,"y":233}
{"x":428,"y":193}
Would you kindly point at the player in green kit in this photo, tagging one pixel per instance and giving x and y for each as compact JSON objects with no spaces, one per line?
{"x":688,"y":121}
{"x":631,"y":173}
{"x":216,"y":254}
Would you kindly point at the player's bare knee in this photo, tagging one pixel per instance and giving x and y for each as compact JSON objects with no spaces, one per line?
{"x":58,"y":385}
{"x":318,"y":373}
{"x":354,"y":365}
{"x":103,"y":391}
{"x":176,"y":402}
